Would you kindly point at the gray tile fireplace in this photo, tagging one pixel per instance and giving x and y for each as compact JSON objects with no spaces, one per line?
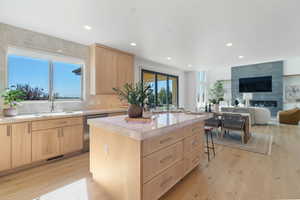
{"x":271,"y":100}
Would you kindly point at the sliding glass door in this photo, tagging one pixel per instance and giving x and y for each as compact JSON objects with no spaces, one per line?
{"x":165,"y":89}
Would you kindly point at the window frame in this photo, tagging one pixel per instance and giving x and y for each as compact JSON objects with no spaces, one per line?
{"x":50,"y":58}
{"x":163,"y":74}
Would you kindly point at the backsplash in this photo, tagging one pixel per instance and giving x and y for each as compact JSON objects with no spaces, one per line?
{"x":94,"y":102}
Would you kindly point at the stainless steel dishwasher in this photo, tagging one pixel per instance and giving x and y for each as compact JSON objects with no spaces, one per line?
{"x":86,"y":136}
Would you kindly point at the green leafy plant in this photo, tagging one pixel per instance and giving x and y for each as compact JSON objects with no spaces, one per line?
{"x":216,"y":93}
{"x":135,"y":94}
{"x":12,"y":97}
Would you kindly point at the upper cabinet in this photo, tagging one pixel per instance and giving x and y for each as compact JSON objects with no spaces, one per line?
{"x":110,"y":68}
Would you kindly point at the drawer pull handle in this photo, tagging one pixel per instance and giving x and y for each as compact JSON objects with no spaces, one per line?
{"x":167,"y":158}
{"x":8,"y":131}
{"x":64,"y":122}
{"x":166,"y":181}
{"x":165,"y":140}
{"x":29,"y":128}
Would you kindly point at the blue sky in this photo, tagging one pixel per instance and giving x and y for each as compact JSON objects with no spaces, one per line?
{"x":35,"y":72}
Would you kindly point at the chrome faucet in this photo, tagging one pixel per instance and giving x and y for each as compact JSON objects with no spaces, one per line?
{"x":52,"y":107}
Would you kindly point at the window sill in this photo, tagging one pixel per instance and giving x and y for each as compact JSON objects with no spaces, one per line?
{"x":56,"y":101}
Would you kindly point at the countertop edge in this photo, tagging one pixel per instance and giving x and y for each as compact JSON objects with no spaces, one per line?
{"x":140,"y":136}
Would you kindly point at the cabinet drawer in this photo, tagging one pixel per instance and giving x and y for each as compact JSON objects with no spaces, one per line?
{"x":154,"y":189}
{"x":156,"y":143}
{"x":196,"y":128}
{"x":56,"y":123}
{"x":192,"y":160}
{"x":192,"y":143}
{"x":159,"y":161}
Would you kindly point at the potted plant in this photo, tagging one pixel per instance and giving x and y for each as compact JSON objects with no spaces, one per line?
{"x":216,"y":94}
{"x":136,"y":95}
{"x":11,"y":98}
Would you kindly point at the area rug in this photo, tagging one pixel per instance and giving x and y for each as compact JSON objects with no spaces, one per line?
{"x":258,"y":143}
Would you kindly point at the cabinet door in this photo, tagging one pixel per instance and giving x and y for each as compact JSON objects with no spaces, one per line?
{"x":124,"y":69}
{"x":106,"y":70}
{"x":21,"y":144}
{"x":45,"y":144}
{"x":5,"y":144}
{"x":72,"y":139}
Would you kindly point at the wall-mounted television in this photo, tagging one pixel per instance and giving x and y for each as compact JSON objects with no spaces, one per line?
{"x":256,"y":84}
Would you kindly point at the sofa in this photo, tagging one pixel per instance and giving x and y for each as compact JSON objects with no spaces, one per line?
{"x":258,"y":115}
{"x":289,"y":116}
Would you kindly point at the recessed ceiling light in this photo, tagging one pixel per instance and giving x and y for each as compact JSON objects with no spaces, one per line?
{"x":133,"y":44}
{"x":169,"y":58}
{"x":59,"y":50}
{"x":87,"y":27}
{"x":229,"y":44}
{"x":189,"y":65}
{"x":241,"y":57}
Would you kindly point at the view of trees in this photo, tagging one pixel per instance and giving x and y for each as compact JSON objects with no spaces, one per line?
{"x":31,"y":93}
{"x":162,"y":98}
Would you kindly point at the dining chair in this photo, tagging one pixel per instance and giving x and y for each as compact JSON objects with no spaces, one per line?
{"x":233,"y":122}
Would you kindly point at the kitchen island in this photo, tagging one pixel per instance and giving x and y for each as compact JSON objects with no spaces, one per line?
{"x":142,"y":161}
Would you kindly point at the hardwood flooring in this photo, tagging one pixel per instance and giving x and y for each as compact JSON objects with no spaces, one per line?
{"x":232,"y":175}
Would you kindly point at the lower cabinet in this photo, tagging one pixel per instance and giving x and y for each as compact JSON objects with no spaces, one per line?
{"x":72,"y":139}
{"x":27,"y":142}
{"x":58,"y":141}
{"x":5,"y":144}
{"x":21,"y":144}
{"x":45,"y":144}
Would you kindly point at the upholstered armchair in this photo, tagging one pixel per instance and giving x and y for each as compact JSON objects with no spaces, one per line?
{"x":290,"y":116}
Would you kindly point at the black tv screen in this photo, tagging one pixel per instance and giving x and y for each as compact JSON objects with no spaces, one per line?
{"x":257,"y":84}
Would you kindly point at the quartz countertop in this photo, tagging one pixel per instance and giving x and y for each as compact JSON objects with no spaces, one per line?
{"x":53,"y":115}
{"x":162,"y":123}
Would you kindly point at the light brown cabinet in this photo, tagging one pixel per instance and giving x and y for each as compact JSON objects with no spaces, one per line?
{"x":109,"y":68}
{"x":45,"y":144}
{"x":60,"y":137}
{"x":71,"y":139}
{"x":124,"y":69}
{"x":150,"y":167}
{"x":21,"y":144}
{"x":28,"y":142}
{"x":5,"y":143}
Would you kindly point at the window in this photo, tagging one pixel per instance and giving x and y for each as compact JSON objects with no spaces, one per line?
{"x":165,"y":88}
{"x":66,"y":80}
{"x":202,"y":91}
{"x":41,"y":78}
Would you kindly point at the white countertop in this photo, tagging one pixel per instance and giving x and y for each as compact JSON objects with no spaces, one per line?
{"x":43,"y":116}
{"x":162,"y":123}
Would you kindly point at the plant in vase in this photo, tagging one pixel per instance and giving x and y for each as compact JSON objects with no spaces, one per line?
{"x":12,"y":97}
{"x":136,"y":95}
{"x":216,"y":94}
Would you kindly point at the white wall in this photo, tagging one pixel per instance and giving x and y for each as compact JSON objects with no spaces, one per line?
{"x":141,"y":63}
{"x":191,"y":88}
{"x":291,"y":66}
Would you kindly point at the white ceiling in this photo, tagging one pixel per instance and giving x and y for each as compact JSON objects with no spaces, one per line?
{"x":190,"y":31}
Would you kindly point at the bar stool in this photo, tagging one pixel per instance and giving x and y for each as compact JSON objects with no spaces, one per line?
{"x":208,"y":131}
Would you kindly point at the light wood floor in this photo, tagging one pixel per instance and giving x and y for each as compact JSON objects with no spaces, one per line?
{"x":233,"y":175}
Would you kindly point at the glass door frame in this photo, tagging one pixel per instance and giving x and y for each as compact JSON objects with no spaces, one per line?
{"x":163,"y":74}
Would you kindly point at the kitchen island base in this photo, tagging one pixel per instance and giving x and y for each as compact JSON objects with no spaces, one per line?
{"x":131,"y":168}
